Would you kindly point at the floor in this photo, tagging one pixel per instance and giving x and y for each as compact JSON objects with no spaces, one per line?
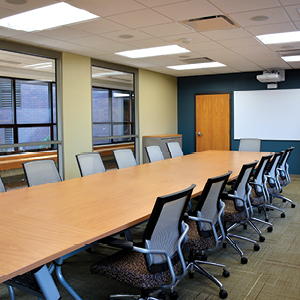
{"x":273,"y":272}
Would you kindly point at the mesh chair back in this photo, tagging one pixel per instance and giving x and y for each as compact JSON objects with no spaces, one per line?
{"x":124,"y":158}
{"x":283,"y":167}
{"x":165,"y":227}
{"x":240,"y":187}
{"x":41,"y":171}
{"x":154,"y":153}
{"x":249,"y":145}
{"x":174,"y":149}
{"x":272,"y":169}
{"x":208,"y":204}
{"x":259,"y":175}
{"x":90,"y":163}
{"x":2,"y":187}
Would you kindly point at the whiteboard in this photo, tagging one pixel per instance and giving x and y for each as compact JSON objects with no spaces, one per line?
{"x":267,"y":114}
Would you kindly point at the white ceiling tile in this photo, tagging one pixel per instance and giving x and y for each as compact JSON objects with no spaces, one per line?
{"x":149,"y":43}
{"x":297,"y":24}
{"x":293,"y":12}
{"x":233,"y":6}
{"x":188,"y":10}
{"x":98,"y":26}
{"x":138,"y":19}
{"x":194,"y":37}
{"x":136,"y":35}
{"x":245,"y":42}
{"x":219,"y":35}
{"x":64,"y":33}
{"x":104,"y":8}
{"x":29,"y":5}
{"x":276,"y":15}
{"x":91,"y":41}
{"x":271,"y":28}
{"x":154,"y":3}
{"x":166,"y":29}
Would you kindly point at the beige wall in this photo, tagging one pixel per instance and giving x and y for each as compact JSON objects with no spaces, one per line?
{"x":157,"y":104}
{"x":76,"y":110}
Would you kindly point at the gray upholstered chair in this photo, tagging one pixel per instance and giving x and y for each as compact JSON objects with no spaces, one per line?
{"x":2,"y":187}
{"x":124,"y":158}
{"x":174,"y":149}
{"x":238,"y":210}
{"x":90,"y":163}
{"x":154,"y":153}
{"x":249,"y":144}
{"x":158,"y":261}
{"x":284,"y":175}
{"x":206,"y":226}
{"x":41,"y":171}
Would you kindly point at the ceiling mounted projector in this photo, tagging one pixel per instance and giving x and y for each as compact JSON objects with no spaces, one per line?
{"x":271,"y":76}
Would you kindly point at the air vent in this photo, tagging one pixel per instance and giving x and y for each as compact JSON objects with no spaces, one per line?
{"x":290,"y":52}
{"x":210,"y":23}
{"x":197,"y":60}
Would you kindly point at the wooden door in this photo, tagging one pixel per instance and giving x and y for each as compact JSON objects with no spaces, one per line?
{"x":212,"y":122}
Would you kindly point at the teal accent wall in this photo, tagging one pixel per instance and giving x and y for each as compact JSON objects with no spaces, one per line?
{"x":188,"y":87}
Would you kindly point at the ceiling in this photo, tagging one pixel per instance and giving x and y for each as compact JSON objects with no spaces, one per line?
{"x":134,"y":24}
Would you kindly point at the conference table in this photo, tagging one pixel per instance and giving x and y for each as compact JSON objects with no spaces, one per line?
{"x":44,"y":223}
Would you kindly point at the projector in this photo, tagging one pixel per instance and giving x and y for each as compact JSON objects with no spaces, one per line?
{"x":271,"y":76}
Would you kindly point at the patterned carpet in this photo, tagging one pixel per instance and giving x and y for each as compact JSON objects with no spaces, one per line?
{"x":273,"y":272}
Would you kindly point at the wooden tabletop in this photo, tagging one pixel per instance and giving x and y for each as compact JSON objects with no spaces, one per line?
{"x":42,"y":223}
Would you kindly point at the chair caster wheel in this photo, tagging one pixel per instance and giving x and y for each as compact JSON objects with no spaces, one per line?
{"x":283,"y":200}
{"x":270,"y":229}
{"x":267,"y":219}
{"x":224,"y":245}
{"x":293,"y":205}
{"x":261,"y":238}
{"x":256,"y":247}
{"x":245,"y":226}
{"x":244,"y":260}
{"x":191,"y":275}
{"x":174,"y":296}
{"x":203,"y":257}
{"x":267,"y":208}
{"x":226,"y":273}
{"x":162,"y":295}
{"x":223,"y":294}
{"x":282,"y":215}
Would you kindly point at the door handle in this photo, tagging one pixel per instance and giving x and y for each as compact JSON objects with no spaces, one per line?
{"x":199,"y":134}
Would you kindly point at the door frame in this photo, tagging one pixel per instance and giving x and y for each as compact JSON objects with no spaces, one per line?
{"x":230,"y":93}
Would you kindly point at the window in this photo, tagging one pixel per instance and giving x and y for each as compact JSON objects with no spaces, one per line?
{"x":27,"y":113}
{"x":113,"y":107}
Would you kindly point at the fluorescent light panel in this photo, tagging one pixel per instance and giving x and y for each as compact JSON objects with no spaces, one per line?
{"x":47,"y":17}
{"x":197,"y":66}
{"x":280,"y":38}
{"x":154,"y":51}
{"x":291,"y":58}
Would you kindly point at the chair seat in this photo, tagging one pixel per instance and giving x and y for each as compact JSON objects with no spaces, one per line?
{"x":231,"y":214}
{"x":256,"y":200}
{"x":197,"y":242}
{"x":130,"y":267}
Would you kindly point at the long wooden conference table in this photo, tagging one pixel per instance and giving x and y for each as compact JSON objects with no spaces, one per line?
{"x":44,"y":223}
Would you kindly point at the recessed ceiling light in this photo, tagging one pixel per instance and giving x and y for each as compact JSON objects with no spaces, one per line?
{"x":197,"y":66}
{"x":16,"y":1}
{"x":155,"y":51}
{"x":126,"y":36}
{"x":47,"y":17}
{"x":280,"y":38}
{"x":291,"y":58}
{"x":260,"y":18}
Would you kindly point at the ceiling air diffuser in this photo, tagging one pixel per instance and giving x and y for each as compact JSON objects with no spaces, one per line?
{"x":210,"y":23}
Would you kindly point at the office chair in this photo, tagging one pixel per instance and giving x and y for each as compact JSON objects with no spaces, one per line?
{"x":154,"y":153}
{"x":238,"y":210}
{"x":124,"y":158}
{"x":273,"y":185}
{"x":259,"y":196}
{"x":174,"y":149}
{"x":283,"y":174}
{"x":90,"y":163}
{"x":2,"y":187}
{"x":158,"y":261}
{"x":242,"y":188}
{"x":205,"y":224}
{"x":249,"y":145}
{"x":41,"y":171}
